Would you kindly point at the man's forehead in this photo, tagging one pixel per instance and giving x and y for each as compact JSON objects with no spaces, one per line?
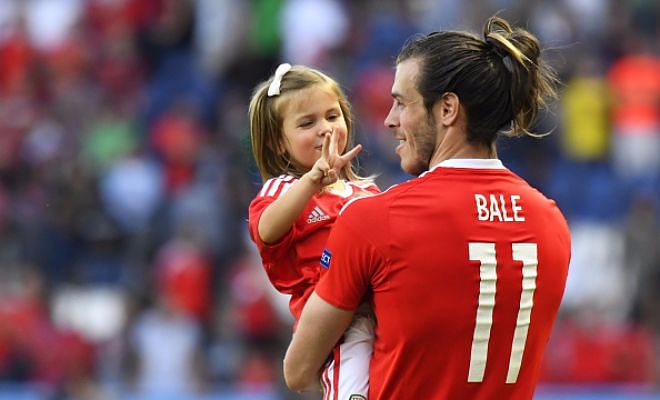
{"x":405,"y":78}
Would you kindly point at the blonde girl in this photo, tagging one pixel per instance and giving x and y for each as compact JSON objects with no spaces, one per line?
{"x":300,"y":130}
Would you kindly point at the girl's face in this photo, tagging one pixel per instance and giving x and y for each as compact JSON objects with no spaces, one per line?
{"x":308,"y":115}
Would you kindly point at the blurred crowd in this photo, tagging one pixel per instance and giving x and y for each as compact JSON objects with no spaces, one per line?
{"x":126,"y":171}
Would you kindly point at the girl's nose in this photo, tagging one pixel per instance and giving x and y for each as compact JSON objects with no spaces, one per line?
{"x":325,"y":128}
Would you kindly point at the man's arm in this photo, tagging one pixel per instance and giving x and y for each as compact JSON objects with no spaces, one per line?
{"x":320,"y":327}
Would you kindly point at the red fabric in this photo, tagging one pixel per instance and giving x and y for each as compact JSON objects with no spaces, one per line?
{"x":132,"y":14}
{"x":68,"y":61}
{"x":373,"y":96}
{"x":292,"y":264}
{"x":409,"y":249}
{"x":16,"y":59}
{"x":256,"y":373}
{"x":335,"y":377}
{"x":635,"y":83}
{"x":185,"y":278}
{"x":52,"y":355}
{"x":177,"y":137}
{"x":593,"y":353}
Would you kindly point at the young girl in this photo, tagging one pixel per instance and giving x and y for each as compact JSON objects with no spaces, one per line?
{"x":300,"y":127}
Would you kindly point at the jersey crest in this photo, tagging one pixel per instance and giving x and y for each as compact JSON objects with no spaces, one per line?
{"x":326,"y":257}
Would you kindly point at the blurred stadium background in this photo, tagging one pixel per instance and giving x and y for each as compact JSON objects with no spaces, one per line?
{"x":125,"y":175}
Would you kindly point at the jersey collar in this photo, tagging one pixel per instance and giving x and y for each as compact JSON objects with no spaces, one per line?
{"x":473,"y":163}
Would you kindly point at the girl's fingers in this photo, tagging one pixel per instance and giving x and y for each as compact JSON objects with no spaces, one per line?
{"x":325,"y":148}
{"x":334,"y":143}
{"x":349,"y":155}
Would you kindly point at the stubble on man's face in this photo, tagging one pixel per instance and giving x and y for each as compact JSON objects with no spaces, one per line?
{"x":422,"y":140}
{"x":411,"y":123}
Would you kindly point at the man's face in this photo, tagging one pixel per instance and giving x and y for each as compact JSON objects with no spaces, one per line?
{"x":411,"y":124}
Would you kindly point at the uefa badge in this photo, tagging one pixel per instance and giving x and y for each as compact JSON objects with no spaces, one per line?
{"x":325,"y":258}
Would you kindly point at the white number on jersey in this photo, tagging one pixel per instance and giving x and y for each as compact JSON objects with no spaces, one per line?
{"x":485,"y":254}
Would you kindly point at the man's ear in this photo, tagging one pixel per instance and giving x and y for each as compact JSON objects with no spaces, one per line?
{"x":447,"y":109}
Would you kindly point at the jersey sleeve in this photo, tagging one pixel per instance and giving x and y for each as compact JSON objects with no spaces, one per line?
{"x":271,"y":191}
{"x":350,"y":263}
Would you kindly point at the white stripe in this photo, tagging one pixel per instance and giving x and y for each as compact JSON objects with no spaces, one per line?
{"x":350,"y":202}
{"x":274,"y":187}
{"x":324,"y":383}
{"x":470,"y":163}
{"x":485,"y":254}
{"x":266,"y":186}
{"x":286,"y":187}
{"x":269,"y":183}
{"x":330,"y":380}
{"x":314,"y":213}
{"x":525,"y":252}
{"x":477,"y":163}
{"x":355,"y":353}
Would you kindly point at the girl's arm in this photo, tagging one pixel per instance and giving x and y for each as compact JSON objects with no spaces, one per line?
{"x":280,"y":215}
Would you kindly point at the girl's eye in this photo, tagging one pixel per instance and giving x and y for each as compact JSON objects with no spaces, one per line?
{"x":305,"y":124}
{"x":333,"y":117}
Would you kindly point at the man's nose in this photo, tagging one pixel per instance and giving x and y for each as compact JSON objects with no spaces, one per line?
{"x":392,"y":120}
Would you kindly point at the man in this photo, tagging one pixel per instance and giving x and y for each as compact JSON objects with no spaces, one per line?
{"x":465,"y":265}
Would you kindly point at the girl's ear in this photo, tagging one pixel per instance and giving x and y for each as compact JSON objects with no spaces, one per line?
{"x":280,"y":147}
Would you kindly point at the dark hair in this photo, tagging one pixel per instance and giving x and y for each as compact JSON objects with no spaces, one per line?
{"x":499,"y":79}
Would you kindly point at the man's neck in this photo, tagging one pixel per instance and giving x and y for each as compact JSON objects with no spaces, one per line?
{"x":455,"y":145}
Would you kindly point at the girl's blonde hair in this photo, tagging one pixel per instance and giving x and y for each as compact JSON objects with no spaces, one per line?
{"x":266,"y":129}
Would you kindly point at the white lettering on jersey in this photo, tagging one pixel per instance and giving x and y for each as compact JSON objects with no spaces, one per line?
{"x":482,"y":211}
{"x":494,"y":209}
{"x":516,"y":208}
{"x":498,"y":208}
{"x":317,"y":215}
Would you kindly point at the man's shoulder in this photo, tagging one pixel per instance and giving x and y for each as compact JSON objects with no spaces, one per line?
{"x":375,"y":204}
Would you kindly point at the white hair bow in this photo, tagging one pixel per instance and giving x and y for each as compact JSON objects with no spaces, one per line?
{"x":274,"y":88}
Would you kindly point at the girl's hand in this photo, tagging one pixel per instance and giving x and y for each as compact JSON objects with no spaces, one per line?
{"x":327,"y":168}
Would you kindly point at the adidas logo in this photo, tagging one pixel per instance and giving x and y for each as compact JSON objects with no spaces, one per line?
{"x":317,"y":215}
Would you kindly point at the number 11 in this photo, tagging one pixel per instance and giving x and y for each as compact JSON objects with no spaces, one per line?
{"x":485,"y":254}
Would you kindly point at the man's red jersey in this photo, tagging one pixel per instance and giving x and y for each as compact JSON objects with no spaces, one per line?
{"x":466,"y":266}
{"x":292,"y":264}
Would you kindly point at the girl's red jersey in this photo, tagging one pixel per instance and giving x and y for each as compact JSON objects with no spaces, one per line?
{"x":292,"y":264}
